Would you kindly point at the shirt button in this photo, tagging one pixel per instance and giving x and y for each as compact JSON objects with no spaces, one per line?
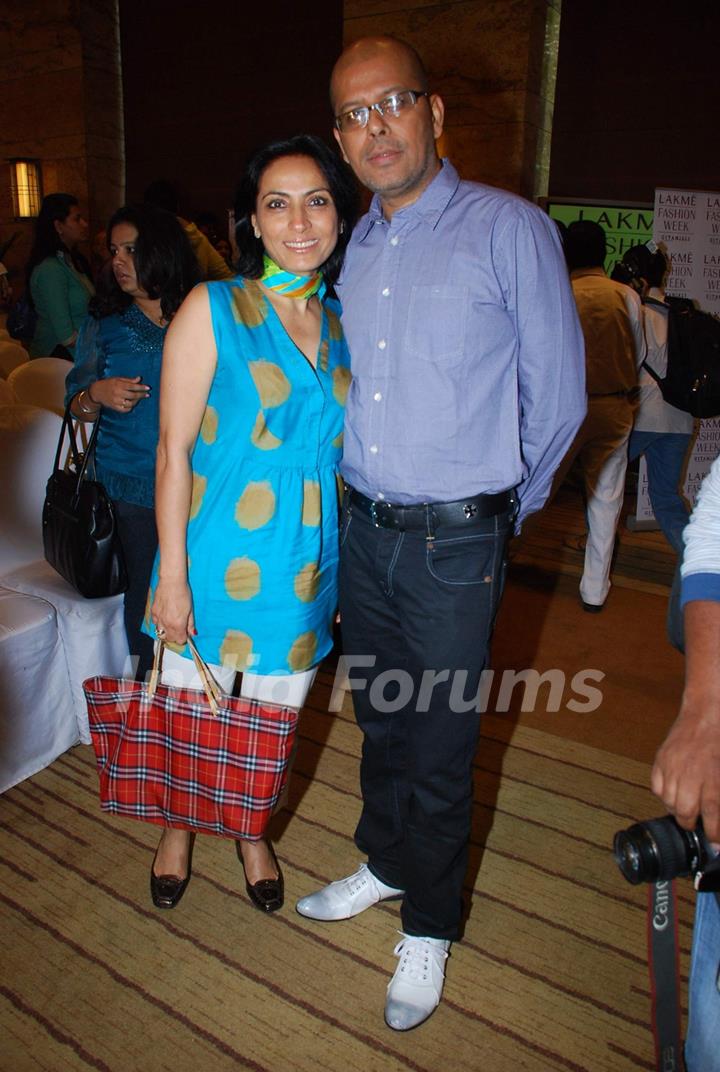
{"x":394,"y":240}
{"x":373,"y":449}
{"x":382,"y":344}
{"x":377,"y":396}
{"x":386,"y":292}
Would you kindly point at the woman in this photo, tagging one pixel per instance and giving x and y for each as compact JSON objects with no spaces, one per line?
{"x":117,"y":374}
{"x":58,"y":277}
{"x":251,"y":412}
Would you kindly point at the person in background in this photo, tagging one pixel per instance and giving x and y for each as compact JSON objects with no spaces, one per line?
{"x":686,"y":773}
{"x":661,"y":432}
{"x":58,"y":277}
{"x":468,"y":386}
{"x":225,"y":250}
{"x":5,"y":288}
{"x":163,"y":194}
{"x":612,"y":323}
{"x":117,"y":375}
{"x":251,"y":417}
{"x":100,"y":256}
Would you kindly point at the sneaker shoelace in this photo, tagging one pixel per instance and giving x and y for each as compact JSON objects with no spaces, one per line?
{"x":416,"y":957}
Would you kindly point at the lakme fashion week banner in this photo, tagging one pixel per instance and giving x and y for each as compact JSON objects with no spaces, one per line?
{"x":624,"y":225}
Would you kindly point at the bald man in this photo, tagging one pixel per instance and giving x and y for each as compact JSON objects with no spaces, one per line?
{"x":468,"y":387}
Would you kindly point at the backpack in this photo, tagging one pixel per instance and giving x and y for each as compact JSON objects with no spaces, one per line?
{"x":692,"y":380}
{"x":22,"y":319}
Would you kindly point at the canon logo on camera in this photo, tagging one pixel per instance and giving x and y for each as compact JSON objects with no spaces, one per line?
{"x":661,"y":906}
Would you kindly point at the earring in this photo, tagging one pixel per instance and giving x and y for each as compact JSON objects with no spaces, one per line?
{"x":256,"y":232}
{"x":341,"y":228}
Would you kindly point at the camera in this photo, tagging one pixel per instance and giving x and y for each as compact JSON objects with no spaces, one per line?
{"x":659,"y":849}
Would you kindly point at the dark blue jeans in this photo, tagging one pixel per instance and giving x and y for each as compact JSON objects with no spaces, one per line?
{"x":138,"y":536}
{"x":422,"y":611}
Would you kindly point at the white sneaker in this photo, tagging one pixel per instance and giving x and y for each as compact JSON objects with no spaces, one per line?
{"x":347,"y":897}
{"x":414,"y":991}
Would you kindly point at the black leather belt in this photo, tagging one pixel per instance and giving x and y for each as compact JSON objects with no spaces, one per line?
{"x":423,"y":517}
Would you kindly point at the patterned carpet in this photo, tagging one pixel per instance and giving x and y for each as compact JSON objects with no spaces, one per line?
{"x":551,"y":974}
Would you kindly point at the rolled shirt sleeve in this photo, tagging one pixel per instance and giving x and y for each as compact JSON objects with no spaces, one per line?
{"x":701,"y":562}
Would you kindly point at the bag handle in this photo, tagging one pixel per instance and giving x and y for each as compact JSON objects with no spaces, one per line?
{"x":213,"y":692}
{"x":80,"y":460}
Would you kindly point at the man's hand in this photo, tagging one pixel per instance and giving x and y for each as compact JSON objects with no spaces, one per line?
{"x":686,"y":773}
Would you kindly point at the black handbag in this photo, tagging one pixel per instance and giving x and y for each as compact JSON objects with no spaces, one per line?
{"x":80,"y":534}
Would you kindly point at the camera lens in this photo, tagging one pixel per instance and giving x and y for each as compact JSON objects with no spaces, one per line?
{"x":657,"y":849}
{"x":636,"y":854}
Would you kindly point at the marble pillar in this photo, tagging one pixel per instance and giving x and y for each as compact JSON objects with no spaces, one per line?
{"x":493,"y":62}
{"x":61,"y":104}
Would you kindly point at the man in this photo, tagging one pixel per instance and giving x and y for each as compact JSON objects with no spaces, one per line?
{"x":686,"y":774}
{"x":467,"y":390}
{"x":612,"y":325}
{"x":661,"y":432}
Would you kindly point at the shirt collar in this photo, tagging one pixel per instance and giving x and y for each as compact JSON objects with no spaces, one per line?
{"x":578,"y":273}
{"x":429,"y":206}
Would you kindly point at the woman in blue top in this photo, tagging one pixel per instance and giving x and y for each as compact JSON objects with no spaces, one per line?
{"x":58,"y":277}
{"x":251,"y":413}
{"x":117,"y":373}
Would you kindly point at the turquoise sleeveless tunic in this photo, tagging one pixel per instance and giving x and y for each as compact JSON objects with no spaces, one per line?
{"x":262,"y":537}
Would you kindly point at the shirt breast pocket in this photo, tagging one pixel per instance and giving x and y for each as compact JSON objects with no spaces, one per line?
{"x":437,"y":319}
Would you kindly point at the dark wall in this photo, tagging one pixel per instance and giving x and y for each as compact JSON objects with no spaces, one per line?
{"x":637,"y":98}
{"x":206,"y":84}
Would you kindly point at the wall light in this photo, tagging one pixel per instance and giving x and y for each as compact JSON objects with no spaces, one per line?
{"x":26,"y":188}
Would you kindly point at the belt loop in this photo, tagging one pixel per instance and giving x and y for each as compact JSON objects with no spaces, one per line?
{"x":429,"y":522}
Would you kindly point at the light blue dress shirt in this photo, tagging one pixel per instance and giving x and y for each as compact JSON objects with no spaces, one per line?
{"x":466,"y":351}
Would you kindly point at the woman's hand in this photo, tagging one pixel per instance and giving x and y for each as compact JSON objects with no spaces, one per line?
{"x":118,"y":392}
{"x":172,"y":611}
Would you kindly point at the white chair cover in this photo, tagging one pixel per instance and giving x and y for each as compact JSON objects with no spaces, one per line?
{"x":41,"y":382}
{"x":12,"y":354}
{"x":37,"y":717}
{"x":28,"y":441}
{"x":91,"y":630}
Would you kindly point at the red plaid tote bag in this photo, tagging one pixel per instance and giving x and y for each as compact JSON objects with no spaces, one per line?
{"x":188,"y":758}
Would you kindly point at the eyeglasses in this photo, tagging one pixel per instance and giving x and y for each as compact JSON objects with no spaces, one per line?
{"x":393,"y":106}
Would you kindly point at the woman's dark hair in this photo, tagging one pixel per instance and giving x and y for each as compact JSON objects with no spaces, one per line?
{"x":341,"y":184}
{"x":165,"y":264}
{"x":46,"y":241}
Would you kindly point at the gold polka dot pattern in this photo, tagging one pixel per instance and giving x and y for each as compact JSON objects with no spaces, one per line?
{"x":246,"y":308}
{"x":311,"y":512}
{"x":256,"y":505}
{"x":261,"y":436}
{"x":342,"y":378}
{"x":302,"y":653}
{"x":334,"y":326}
{"x":272,"y":384}
{"x":236,"y":649}
{"x":209,"y":426}
{"x":242,"y":578}
{"x":306,"y":582}
{"x":199,"y":484}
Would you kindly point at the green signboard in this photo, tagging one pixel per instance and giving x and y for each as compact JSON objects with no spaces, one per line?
{"x":624,"y":225}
